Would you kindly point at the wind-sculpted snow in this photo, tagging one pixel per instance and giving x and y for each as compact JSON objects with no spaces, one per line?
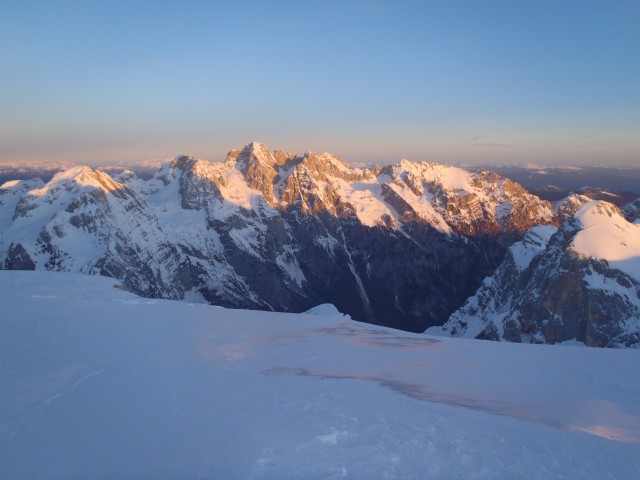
{"x":581,"y":283}
{"x":402,"y":245}
{"x":606,"y":235}
{"x":99,"y":383}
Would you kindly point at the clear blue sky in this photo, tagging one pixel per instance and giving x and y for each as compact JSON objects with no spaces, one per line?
{"x":451,"y":81}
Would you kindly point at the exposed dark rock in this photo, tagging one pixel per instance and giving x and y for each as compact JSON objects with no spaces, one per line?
{"x":553,"y":295}
{"x":18,"y":259}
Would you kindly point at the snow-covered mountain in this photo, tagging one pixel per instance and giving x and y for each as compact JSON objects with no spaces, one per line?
{"x":565,"y":208}
{"x":31,"y":169}
{"x":402,"y":245}
{"x":581,"y":282}
{"x":98,"y":383}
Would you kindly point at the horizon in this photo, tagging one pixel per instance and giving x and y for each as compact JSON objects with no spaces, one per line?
{"x":62,"y":164}
{"x":372,"y":82}
{"x":150,"y":163}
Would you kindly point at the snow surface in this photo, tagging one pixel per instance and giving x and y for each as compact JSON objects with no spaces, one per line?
{"x":366,"y":197}
{"x":607,"y":235}
{"x":534,"y":242}
{"x":327,"y":310}
{"x":10,"y":194}
{"x":98,"y":383}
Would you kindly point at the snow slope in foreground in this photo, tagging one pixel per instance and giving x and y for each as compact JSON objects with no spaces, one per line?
{"x":98,"y":383}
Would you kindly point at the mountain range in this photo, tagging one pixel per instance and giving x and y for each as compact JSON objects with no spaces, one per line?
{"x":404,"y":245}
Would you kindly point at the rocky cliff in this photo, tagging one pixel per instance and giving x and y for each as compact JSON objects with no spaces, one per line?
{"x":581,"y":282}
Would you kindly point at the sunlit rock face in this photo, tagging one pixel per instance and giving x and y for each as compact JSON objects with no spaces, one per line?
{"x":402,"y":245}
{"x":581,"y":282}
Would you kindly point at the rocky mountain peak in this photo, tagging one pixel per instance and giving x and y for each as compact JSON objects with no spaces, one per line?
{"x":564,"y":209}
{"x":255,"y":155}
{"x":257,"y":152}
{"x":581,"y":283}
{"x":604,"y":234}
{"x":20,"y":185}
{"x":450,"y":199}
{"x":259,"y":168}
{"x":183,"y":162}
{"x":324,"y":166}
{"x":78,"y":179}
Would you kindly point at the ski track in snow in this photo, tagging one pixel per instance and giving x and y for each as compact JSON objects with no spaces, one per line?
{"x":73,"y":387}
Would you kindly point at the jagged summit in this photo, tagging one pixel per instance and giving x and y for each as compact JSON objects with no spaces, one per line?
{"x":449,"y":199}
{"x":256,"y":153}
{"x":183,"y":162}
{"x":564,"y":209}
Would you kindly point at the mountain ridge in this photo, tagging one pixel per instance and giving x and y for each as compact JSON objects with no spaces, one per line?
{"x":403,"y":245}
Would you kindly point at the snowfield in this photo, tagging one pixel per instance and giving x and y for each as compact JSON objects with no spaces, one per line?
{"x":606,"y":235}
{"x":98,"y":383}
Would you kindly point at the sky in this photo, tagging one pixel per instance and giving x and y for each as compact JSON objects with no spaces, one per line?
{"x":97,"y":82}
